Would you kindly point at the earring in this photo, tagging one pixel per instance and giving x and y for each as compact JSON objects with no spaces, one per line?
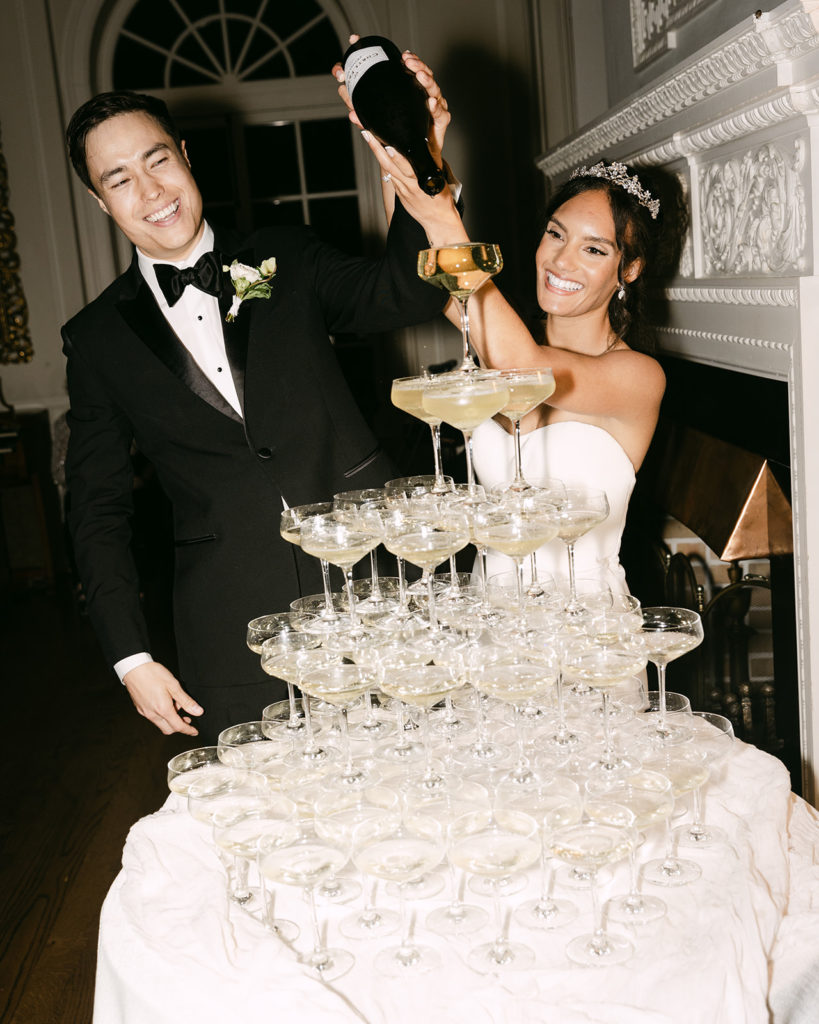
{"x":621,"y":293}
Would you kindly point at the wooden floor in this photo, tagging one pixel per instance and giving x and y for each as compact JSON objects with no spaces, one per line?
{"x":79,"y":766}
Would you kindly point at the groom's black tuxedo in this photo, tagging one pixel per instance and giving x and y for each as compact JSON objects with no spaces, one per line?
{"x":302,"y":437}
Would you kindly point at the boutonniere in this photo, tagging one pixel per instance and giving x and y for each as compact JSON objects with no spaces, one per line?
{"x":249,"y":283}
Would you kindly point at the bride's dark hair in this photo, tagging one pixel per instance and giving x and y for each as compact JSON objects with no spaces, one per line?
{"x":636,"y":235}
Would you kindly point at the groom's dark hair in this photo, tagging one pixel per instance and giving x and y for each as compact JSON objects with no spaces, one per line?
{"x":106,"y":105}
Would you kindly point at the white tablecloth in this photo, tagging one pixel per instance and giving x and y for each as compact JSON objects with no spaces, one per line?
{"x":739,"y":945}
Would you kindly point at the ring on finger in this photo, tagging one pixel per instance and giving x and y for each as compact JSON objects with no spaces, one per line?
{"x":386,"y":177}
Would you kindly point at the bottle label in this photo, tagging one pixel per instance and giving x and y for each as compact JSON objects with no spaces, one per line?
{"x":359,"y":63}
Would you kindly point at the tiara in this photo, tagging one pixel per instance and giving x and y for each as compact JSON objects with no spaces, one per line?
{"x":617,"y":174}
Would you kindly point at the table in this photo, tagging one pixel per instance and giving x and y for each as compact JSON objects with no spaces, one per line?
{"x":738,"y":946}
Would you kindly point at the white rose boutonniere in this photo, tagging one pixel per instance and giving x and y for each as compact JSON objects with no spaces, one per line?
{"x":249,"y":283}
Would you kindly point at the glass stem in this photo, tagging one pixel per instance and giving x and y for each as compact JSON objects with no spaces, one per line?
{"x":608,"y":751}
{"x":329,"y":608}
{"x":500,"y":950}
{"x":467,"y":361}
{"x":310,"y":747}
{"x":439,"y":487}
{"x":518,"y":483}
{"x":348,"y":578}
{"x":519,"y":586}
{"x":470,"y":471}
{"x":375,"y":586}
{"x":433,"y":620}
{"x":291,"y":698}
{"x":697,"y":829}
{"x":572,"y":584}
{"x":345,"y":743}
{"x":598,"y":942}
{"x":240,"y":891}
{"x":661,"y":710}
{"x":402,"y":586}
{"x":319,"y":953}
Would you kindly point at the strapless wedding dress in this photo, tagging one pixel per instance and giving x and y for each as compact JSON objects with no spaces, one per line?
{"x":573,"y":452}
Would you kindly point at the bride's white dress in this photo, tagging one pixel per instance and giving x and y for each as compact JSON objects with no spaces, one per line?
{"x":573,"y":452}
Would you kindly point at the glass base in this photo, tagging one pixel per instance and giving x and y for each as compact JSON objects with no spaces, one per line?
{"x":423,"y":888}
{"x":400,"y":961}
{"x":287,"y":931}
{"x":507,"y":886}
{"x":499,"y":957}
{"x":339,"y":890}
{"x":708,"y":837}
{"x":575,"y":878}
{"x":670,"y":735}
{"x":599,"y":950}
{"x":635,"y":909}
{"x":545,"y":913}
{"x":370,"y":924}
{"x":462,"y":919}
{"x":330,"y":964}
{"x":671,"y":871}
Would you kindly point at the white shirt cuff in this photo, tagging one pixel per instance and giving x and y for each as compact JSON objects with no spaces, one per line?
{"x":124,"y":666}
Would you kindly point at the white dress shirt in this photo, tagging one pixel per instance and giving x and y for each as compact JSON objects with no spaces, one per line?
{"x":197,"y":322}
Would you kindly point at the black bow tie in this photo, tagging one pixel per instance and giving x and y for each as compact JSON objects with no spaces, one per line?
{"x":206,"y":275}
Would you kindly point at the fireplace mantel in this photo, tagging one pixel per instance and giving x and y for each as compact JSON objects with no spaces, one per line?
{"x":738,"y":122}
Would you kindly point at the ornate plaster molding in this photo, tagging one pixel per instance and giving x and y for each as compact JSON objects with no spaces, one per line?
{"x":778,"y":297}
{"x":716,"y":338}
{"x":753,"y":216}
{"x":751,"y":49}
{"x":651,"y":23}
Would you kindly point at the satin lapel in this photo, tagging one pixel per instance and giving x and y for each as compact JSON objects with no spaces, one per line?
{"x":145,"y":319}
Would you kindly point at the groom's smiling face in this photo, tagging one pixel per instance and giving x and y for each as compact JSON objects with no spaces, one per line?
{"x":144,"y":182}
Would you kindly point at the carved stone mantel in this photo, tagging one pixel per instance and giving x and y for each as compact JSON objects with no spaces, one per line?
{"x":739,"y":123}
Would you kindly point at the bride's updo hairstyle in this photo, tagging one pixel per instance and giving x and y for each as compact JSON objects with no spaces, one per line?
{"x":635,"y":233}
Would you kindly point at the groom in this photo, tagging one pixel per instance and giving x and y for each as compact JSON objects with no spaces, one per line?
{"x":237,"y":417}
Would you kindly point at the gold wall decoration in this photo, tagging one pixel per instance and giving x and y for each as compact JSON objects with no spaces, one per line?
{"x":15,"y":342}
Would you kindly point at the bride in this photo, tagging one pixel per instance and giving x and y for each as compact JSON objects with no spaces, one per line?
{"x":594,"y":430}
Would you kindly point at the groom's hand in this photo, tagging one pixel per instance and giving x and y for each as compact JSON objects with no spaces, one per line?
{"x":158,"y":696}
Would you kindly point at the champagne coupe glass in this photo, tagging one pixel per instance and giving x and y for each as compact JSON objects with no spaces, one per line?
{"x":238,"y":835}
{"x":251,"y":745}
{"x":713,"y":734}
{"x":422,"y":686}
{"x":312,"y":756}
{"x":305,"y":857}
{"x":406,"y":395}
{"x":649,"y":796}
{"x":279,"y":659}
{"x":590,"y":846}
{"x":517,"y":682}
{"x":580,"y":511}
{"x":346,"y":505}
{"x":426,"y":537}
{"x":342,"y":685}
{"x":464,"y":401}
{"x":603,"y":669}
{"x":401,"y":851}
{"x":265,"y":626}
{"x":398,"y":657}
{"x":556,"y":804}
{"x":290,"y":523}
{"x":516,"y":531}
{"x":528,"y":388}
{"x":190,"y":765}
{"x":494,"y":844}
{"x":668,"y":633}
{"x":343,"y":545}
{"x":460,"y":269}
{"x":684,"y":765}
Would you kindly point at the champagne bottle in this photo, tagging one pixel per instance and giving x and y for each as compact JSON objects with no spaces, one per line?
{"x":392,"y":104}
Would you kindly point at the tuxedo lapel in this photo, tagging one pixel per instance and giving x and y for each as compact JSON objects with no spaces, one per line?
{"x":236,"y":332}
{"x":144,"y":317}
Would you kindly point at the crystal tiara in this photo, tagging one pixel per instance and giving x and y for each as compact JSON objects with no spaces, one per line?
{"x":618,"y":175}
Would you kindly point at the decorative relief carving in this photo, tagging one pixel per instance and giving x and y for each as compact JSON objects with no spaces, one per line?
{"x":752,"y":50}
{"x":729,"y":339}
{"x":15,"y":343}
{"x":651,"y":21}
{"x":781,"y":297}
{"x":753,"y":215}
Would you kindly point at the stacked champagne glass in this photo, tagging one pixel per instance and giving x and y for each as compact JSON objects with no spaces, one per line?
{"x":458,"y":739}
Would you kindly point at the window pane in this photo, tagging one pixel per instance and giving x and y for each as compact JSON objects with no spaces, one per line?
{"x":277,"y":214}
{"x":276,"y":67}
{"x":315,"y":52}
{"x":336,"y":221}
{"x":272,"y":162}
{"x":286,"y":18}
{"x":163,"y":30}
{"x":209,"y":153}
{"x":328,"y":155}
{"x":137,"y":67}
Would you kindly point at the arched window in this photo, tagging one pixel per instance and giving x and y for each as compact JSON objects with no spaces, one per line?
{"x":248,"y":82}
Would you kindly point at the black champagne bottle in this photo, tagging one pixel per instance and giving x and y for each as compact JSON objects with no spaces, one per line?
{"x":392,"y":105}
